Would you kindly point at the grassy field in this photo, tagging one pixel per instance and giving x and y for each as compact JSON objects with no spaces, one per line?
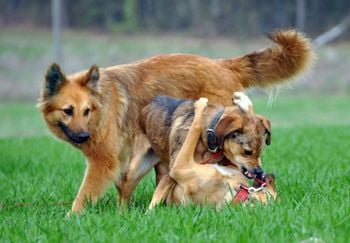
{"x":40,"y":175}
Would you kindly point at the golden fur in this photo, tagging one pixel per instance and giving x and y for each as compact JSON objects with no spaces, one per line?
{"x":97,"y":110}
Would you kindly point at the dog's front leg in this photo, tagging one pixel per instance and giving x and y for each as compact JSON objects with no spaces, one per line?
{"x":98,"y":175}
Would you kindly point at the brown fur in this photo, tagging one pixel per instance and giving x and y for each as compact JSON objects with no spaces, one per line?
{"x":114,"y":97}
{"x":188,"y":181}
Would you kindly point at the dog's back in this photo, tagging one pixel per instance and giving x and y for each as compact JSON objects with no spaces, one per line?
{"x":157,"y":119}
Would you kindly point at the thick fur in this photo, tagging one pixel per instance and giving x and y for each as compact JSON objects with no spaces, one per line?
{"x":98,"y":110}
{"x":189,"y":181}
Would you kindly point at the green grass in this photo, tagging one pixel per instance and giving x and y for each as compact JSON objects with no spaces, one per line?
{"x":39,"y":177}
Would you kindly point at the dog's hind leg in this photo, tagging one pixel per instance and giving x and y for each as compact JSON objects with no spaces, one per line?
{"x":161,"y":170}
{"x":141,"y":163}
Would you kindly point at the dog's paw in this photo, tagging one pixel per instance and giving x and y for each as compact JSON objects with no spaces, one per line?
{"x":200,"y":103}
{"x":242,"y":100}
{"x":69,"y":215}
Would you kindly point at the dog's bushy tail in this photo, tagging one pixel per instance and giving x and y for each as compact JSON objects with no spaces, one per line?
{"x":290,"y":56}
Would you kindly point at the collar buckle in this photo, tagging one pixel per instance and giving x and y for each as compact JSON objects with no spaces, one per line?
{"x":213,"y":141}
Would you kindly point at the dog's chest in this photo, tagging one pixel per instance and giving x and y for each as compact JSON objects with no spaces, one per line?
{"x":225,"y":171}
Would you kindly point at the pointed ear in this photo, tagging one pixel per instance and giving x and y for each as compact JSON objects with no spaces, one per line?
{"x":267,"y":125}
{"x":92,"y":78}
{"x":54,"y":80}
{"x":227,"y":124}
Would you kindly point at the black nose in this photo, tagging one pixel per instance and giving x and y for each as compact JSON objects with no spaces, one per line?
{"x":82,"y":137}
{"x":258,"y":171}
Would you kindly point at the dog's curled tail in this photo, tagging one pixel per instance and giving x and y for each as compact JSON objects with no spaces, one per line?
{"x":290,"y":56}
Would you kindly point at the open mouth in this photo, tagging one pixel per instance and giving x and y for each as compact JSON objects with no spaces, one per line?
{"x":249,"y":174}
{"x":256,"y":173}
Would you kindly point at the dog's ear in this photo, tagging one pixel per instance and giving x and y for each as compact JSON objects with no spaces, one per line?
{"x":54,"y":80}
{"x":267,"y":125}
{"x":92,"y":78}
{"x":228,"y":124}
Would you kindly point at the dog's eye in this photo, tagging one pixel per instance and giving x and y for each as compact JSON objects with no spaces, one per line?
{"x":86,"y":112}
{"x":68,"y":111}
{"x":248,"y":152}
{"x":233,"y":135}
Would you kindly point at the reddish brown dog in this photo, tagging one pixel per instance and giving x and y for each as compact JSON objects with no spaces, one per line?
{"x":97,"y":111}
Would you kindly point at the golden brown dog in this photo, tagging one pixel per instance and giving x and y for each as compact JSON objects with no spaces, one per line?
{"x":189,"y":181}
{"x":97,"y":111}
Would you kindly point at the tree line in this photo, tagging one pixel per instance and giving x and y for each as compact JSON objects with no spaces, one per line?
{"x":231,"y":17}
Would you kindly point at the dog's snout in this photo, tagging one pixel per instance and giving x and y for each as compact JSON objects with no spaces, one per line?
{"x":83,"y":136}
{"x":258,"y":171}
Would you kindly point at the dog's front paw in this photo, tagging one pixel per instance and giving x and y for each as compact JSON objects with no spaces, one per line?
{"x":69,"y":215}
{"x":242,"y":101}
{"x":72,"y":214}
{"x":200,"y":103}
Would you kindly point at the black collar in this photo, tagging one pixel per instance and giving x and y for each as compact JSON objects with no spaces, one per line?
{"x":214,"y":142}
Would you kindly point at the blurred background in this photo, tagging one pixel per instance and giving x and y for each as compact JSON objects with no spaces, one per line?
{"x":77,"y":34}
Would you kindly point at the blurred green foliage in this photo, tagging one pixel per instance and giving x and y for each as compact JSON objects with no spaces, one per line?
{"x":237,"y":17}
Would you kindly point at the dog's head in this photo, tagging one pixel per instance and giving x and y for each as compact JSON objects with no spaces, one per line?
{"x":244,"y":135}
{"x":68,"y":103}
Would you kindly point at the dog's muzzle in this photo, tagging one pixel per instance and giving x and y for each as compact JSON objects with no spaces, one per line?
{"x":75,"y":137}
{"x":257,"y":172}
